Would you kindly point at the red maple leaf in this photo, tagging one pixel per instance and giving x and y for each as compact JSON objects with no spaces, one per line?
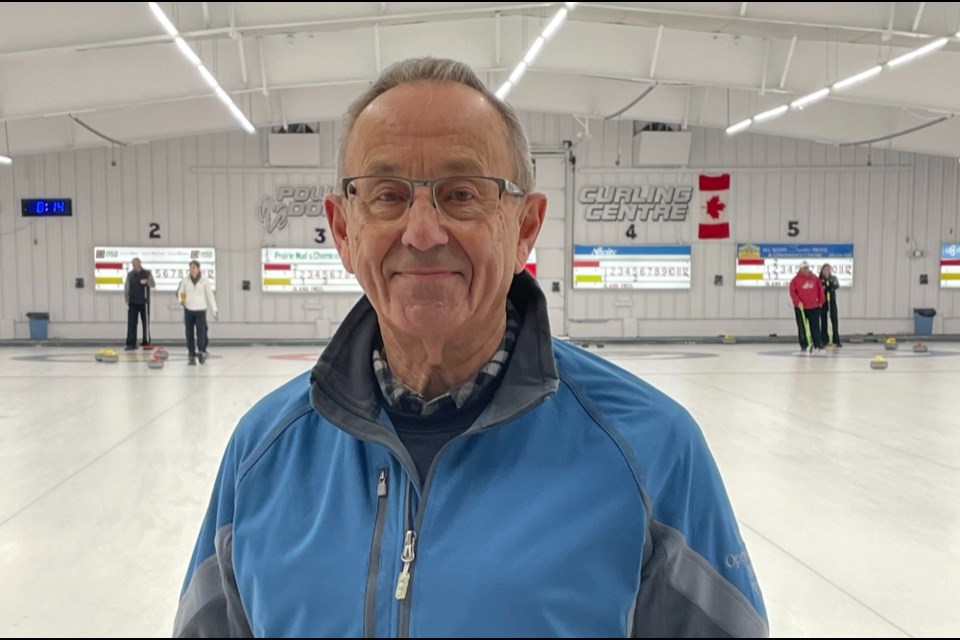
{"x":715,"y":207}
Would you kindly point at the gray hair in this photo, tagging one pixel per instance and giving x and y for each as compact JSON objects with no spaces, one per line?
{"x":414,"y":70}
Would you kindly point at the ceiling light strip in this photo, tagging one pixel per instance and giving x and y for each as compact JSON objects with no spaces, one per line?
{"x":534,"y":50}
{"x":194,"y":60}
{"x":840,"y":85}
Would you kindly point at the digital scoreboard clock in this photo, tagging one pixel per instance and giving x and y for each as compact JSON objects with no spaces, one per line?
{"x":46,"y":207}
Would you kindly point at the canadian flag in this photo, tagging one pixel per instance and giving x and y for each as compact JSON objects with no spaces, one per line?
{"x":714,"y":207}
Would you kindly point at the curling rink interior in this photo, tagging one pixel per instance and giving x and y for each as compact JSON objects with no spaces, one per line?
{"x":845,"y":480}
{"x":695,"y":160}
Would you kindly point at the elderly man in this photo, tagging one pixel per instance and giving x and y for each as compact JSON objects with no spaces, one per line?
{"x":447,"y":469}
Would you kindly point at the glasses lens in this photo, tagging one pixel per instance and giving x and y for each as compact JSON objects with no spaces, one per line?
{"x":382,"y":198}
{"x":466,"y":198}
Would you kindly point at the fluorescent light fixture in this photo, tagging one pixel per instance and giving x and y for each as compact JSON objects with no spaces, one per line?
{"x":534,"y":50}
{"x":555,"y":23}
{"x":223,"y":95}
{"x":810,"y":98}
{"x":187,"y":51}
{"x":740,"y":126}
{"x":163,"y":19}
{"x":860,"y":77}
{"x":930,"y":47}
{"x":771,"y":114}
{"x":242,"y":119}
{"x":6,"y":160}
{"x":204,"y":72}
{"x":518,"y":72}
{"x":208,"y":77}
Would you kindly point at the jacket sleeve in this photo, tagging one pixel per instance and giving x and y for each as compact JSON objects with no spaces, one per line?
{"x":794,"y":293}
{"x":211,"y":299}
{"x":150,"y":281}
{"x":210,"y":604}
{"x":181,"y":288}
{"x":126,"y":289}
{"x":697,"y":579}
{"x":821,"y":296}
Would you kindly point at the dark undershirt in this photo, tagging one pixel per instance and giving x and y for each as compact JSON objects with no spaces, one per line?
{"x":423,"y":437}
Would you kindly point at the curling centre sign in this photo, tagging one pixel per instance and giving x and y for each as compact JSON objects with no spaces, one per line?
{"x":648,"y":203}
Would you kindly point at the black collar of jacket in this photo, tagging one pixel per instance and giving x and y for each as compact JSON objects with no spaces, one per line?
{"x":343,"y":385}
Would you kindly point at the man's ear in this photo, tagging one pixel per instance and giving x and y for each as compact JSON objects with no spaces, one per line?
{"x":532,"y":211}
{"x":333,"y":204}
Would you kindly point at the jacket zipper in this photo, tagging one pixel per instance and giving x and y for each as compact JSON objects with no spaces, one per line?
{"x":408,"y":555}
{"x":402,"y":593}
{"x":373,"y":573}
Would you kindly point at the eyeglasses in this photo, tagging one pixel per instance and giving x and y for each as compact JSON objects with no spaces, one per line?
{"x":459,"y":197}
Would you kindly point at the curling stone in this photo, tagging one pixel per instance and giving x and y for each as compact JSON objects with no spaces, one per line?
{"x":729,"y":339}
{"x":107,"y":355}
{"x":163,"y":353}
{"x":856,"y":338}
{"x":919,"y":348}
{"x":155,"y":362}
{"x":879,"y":362}
{"x":891,"y":344}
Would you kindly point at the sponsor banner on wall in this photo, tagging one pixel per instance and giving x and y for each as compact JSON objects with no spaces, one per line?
{"x":775,"y":265}
{"x":305,"y":271}
{"x":169,"y":265}
{"x":317,"y":271}
{"x":631,"y":267}
{"x":532,"y":262}
{"x":950,"y":266}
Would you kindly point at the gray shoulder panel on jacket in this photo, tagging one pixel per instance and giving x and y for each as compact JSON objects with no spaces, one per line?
{"x":681,"y":594}
{"x":211,"y":606}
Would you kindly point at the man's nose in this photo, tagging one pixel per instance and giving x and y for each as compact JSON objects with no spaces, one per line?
{"x":424,"y":222}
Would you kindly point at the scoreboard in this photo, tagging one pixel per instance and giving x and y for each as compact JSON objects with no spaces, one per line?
{"x":775,"y":265}
{"x":631,"y":267}
{"x":950,"y":266}
{"x":169,"y":265}
{"x":306,"y":271}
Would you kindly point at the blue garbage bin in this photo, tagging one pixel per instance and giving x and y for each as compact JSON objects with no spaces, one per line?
{"x":923,"y":321}
{"x":38,"y":324}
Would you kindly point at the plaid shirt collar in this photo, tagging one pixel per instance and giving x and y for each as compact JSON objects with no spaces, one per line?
{"x":400,"y":398}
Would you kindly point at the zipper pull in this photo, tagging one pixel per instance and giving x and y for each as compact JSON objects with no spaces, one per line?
{"x":382,"y":484}
{"x":407,"y":557}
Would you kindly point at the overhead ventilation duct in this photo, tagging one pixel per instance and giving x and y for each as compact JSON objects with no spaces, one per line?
{"x":656,"y":144}
{"x":295,"y":145}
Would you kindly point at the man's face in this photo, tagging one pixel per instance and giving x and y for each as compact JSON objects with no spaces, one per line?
{"x":425,"y":273}
{"x":136,"y":265}
{"x":194,"y":270}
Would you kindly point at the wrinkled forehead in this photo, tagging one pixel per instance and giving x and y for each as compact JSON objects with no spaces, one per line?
{"x":427,"y":127}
